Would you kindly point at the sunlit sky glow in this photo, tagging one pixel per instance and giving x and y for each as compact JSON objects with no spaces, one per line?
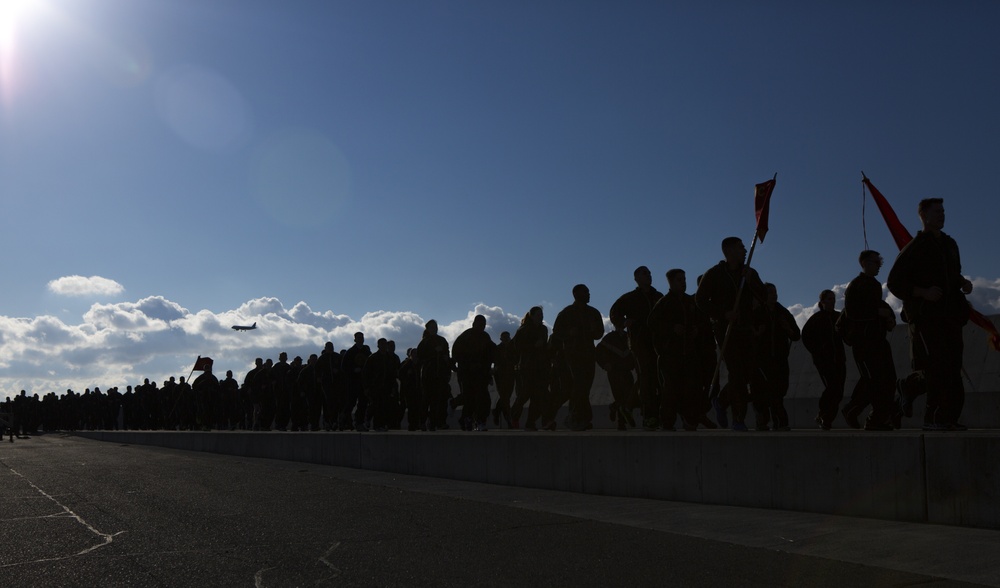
{"x":169,"y":169}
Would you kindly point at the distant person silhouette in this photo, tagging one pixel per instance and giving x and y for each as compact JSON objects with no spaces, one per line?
{"x":531,"y":342}
{"x":473,"y":352}
{"x":868,"y":319}
{"x":632,"y":310}
{"x":379,"y":377}
{"x":678,"y":328}
{"x":352,"y":364}
{"x":504,"y":376}
{"x":821,"y":339}
{"x":774,"y":331}
{"x":434,"y":361}
{"x":576,"y":328}
{"x":616,"y":359}
{"x":206,"y":390}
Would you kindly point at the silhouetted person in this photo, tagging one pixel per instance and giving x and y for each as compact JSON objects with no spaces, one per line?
{"x":307,"y":384}
{"x":233,"y":407}
{"x":409,"y":392}
{"x":616,"y":359}
{"x":352,"y":364}
{"x":927,"y":277}
{"x":531,"y":342}
{"x":283,"y":388}
{"x":250,"y":401}
{"x":869,"y":319}
{"x":632,"y":310}
{"x":775,"y":329}
{"x":206,"y":390}
{"x":332,"y":384}
{"x":717,"y":297}
{"x":504,"y":376}
{"x":823,"y":342}
{"x":394,"y":409}
{"x":678,"y":327}
{"x":576,"y":328}
{"x":379,"y":376}
{"x":473,"y":353}
{"x":435,"y":365}
{"x":300,"y":404}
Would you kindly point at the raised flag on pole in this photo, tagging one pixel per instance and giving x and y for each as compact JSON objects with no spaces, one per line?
{"x":762,"y":204}
{"x":899,"y":233}
{"x":201,"y":364}
{"x":902,"y":236}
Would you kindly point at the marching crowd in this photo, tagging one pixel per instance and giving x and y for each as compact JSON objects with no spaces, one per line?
{"x":663,"y":357}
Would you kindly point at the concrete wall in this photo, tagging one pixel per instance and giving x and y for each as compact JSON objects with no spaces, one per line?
{"x":946,"y":478}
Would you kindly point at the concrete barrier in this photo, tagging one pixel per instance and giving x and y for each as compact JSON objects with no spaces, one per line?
{"x":945,"y":478}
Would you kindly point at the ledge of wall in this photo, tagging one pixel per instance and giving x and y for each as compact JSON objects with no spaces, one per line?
{"x":945,"y":478}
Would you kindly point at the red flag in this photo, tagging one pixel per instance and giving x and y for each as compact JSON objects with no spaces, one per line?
{"x":762,"y":204}
{"x":902,"y":237}
{"x":896,"y":228}
{"x":993,"y":336}
{"x":201,"y":364}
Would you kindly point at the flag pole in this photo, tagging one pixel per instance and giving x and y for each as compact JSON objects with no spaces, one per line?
{"x":713,"y":393}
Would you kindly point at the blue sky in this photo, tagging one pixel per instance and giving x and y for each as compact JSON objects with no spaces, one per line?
{"x":385,"y":163}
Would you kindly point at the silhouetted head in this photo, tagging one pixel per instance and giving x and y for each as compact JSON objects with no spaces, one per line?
{"x":643,"y":277}
{"x":931,"y":211}
{"x":381,"y":344}
{"x":229,"y":373}
{"x":772,"y":293}
{"x":827,"y":300}
{"x":391,"y":346}
{"x":328,"y":346}
{"x":871,"y":262}
{"x":359,"y":338}
{"x":534,"y":315}
{"x":479,"y":323}
{"x":282,"y":356}
{"x":677,"y":280}
{"x":581,"y":294}
{"x":505,"y":336}
{"x":734,"y":250}
{"x":431,"y":328}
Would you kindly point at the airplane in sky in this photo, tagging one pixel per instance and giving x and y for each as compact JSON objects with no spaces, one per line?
{"x":244,"y":327}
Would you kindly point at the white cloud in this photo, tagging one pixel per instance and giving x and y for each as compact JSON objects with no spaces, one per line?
{"x":122,"y":343}
{"x":82,"y":286}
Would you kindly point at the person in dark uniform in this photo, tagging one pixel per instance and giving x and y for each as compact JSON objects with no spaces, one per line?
{"x":473,"y":353}
{"x":331,"y":382}
{"x":531,"y":342}
{"x":409,"y":392}
{"x":307,"y":387}
{"x":504,"y":375}
{"x":434,"y":361}
{"x":283,"y":390}
{"x":206,"y":390}
{"x":379,"y":376}
{"x":678,"y":328}
{"x":575,"y":329}
{"x":352,"y":364}
{"x":927,"y":277}
{"x":774,"y":331}
{"x":716,"y":296}
{"x":632,"y":310}
{"x":616,"y":359}
{"x":868,"y":319}
{"x":821,"y":339}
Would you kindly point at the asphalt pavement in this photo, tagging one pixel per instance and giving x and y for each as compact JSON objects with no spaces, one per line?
{"x":75,"y":512}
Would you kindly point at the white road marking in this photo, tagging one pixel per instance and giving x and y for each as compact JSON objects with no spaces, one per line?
{"x":106,"y":538}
